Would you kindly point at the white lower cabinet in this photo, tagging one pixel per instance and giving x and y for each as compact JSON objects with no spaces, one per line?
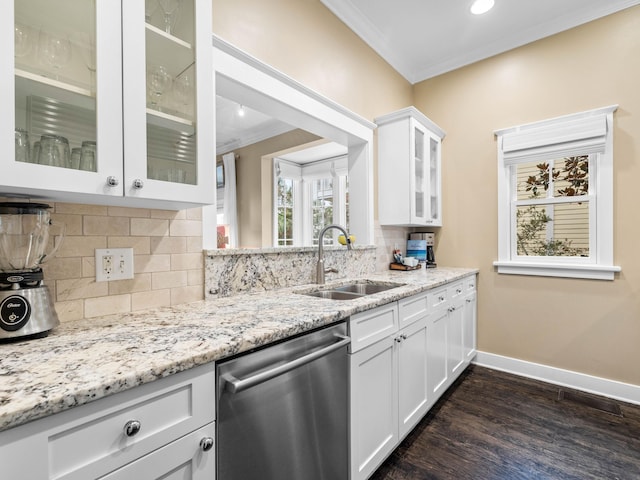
{"x":395,"y":380}
{"x":159,"y":424}
{"x":374,"y":403}
{"x":413,"y":393}
{"x":470,"y":319}
{"x":189,"y":458}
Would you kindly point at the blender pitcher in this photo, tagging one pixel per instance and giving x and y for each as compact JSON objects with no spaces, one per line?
{"x":24,"y":236}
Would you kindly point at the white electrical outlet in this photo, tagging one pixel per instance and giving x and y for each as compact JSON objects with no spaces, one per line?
{"x":114,"y":264}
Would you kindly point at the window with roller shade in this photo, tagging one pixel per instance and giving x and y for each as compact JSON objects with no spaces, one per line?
{"x":555,"y":198}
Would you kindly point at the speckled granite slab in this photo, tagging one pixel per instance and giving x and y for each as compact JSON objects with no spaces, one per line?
{"x":234,"y":271}
{"x":89,"y":359}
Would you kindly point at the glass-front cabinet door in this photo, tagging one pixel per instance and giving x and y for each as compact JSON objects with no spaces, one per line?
{"x":67,"y":120}
{"x":435,"y":194}
{"x":110,"y":98}
{"x":420,"y":172}
{"x":168,"y":100}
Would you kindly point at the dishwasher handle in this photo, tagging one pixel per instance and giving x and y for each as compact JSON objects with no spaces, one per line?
{"x":236,"y":385}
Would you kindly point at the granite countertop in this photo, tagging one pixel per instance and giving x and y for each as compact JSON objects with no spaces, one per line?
{"x":85,"y":360}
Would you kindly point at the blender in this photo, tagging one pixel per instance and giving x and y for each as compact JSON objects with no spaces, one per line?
{"x":26,"y":306}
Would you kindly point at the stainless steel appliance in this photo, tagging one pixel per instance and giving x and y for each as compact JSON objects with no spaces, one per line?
{"x":283,"y":410}
{"x":26,"y":307}
{"x":430,"y":239}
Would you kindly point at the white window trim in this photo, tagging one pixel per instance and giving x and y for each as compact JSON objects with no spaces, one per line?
{"x":586,"y":132}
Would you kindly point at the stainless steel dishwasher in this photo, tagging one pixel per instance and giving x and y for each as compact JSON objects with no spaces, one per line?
{"x":282,"y":411}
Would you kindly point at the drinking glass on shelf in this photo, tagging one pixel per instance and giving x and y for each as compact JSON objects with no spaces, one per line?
{"x":54,"y":50}
{"x":54,"y":151}
{"x":76,"y":155}
{"x":23,"y":40}
{"x":170,"y":9}
{"x":88,"y":156}
{"x":35,"y":152}
{"x":158,"y":82}
{"x":23,"y":146}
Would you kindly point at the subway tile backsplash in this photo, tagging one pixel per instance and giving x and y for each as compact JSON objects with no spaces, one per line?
{"x":168,"y":259}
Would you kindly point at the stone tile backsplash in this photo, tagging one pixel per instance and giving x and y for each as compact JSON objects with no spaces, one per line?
{"x":232,"y":271}
{"x":168,"y":259}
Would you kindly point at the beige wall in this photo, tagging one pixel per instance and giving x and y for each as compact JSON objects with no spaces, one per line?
{"x":581,"y":325}
{"x":303,"y":39}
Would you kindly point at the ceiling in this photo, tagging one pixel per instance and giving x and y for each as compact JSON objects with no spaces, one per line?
{"x":424,"y":38}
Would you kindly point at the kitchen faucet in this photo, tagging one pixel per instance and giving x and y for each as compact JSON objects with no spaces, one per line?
{"x":320,"y":270}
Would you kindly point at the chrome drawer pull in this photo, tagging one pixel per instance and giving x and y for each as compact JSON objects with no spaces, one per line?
{"x":132,"y":427}
{"x":206,"y":444}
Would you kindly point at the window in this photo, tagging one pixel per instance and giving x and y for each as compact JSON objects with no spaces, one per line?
{"x":308,"y":198}
{"x":555,"y":197}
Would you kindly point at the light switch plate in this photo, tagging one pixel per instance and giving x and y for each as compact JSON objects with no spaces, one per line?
{"x":114,"y":264}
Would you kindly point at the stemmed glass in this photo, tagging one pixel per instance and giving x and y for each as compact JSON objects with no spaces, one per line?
{"x":183,"y":88}
{"x":87,"y":46}
{"x":54,"y":50}
{"x":170,"y":10}
{"x":158,"y":82}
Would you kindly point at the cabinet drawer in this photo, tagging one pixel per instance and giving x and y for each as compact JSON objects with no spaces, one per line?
{"x":368,"y":327}
{"x":437,"y":298}
{"x":456,"y":290}
{"x":412,"y":309}
{"x":183,"y":459}
{"x":94,"y":444}
{"x":470,"y":284}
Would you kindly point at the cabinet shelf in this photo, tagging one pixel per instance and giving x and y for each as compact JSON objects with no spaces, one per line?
{"x":164,"y":49}
{"x":31,"y":83}
{"x":170,"y":122}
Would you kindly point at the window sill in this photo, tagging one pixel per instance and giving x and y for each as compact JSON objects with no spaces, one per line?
{"x":592,"y":272}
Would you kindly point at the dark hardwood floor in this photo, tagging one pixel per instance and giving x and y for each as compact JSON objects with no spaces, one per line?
{"x":493,"y":425}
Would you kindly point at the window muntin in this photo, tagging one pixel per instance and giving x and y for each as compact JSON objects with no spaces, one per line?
{"x":545,"y":221}
{"x":285,"y":205}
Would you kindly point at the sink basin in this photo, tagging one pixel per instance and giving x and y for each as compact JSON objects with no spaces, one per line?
{"x":366,"y":288}
{"x":335,"y":295}
{"x":351,"y":291}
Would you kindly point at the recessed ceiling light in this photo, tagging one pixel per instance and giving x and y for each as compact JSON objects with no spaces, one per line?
{"x":481,"y":6}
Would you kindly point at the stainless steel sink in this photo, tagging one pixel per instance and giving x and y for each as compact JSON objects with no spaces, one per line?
{"x":352,"y":291}
{"x":366,"y":288}
{"x":334,"y":295}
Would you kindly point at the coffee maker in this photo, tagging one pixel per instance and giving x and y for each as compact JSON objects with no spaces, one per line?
{"x":431,"y":258}
{"x":26,"y":306}
{"x":429,"y":238}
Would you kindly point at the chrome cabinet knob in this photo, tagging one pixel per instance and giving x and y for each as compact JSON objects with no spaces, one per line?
{"x":403,"y":336}
{"x":137,"y":183}
{"x":206,"y":444}
{"x":112,"y":181}
{"x":132,"y":427}
{"x":398,"y":339}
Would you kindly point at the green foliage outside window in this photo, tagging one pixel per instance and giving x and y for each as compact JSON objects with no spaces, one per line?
{"x":532,"y":221}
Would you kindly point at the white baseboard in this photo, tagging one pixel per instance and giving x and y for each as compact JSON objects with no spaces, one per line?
{"x":624,"y":392}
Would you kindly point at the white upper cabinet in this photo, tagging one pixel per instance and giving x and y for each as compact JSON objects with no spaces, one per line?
{"x":111,"y":105}
{"x":409,"y":173}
